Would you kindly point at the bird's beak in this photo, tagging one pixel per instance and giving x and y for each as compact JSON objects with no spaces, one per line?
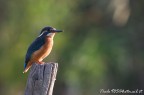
{"x":55,"y":30}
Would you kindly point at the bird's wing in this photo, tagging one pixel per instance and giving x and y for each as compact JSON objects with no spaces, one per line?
{"x":32,"y":48}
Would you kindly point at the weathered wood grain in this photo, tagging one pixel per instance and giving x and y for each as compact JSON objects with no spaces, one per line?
{"x":41,"y":79}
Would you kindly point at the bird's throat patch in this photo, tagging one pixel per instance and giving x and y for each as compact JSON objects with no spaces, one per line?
{"x":50,"y":34}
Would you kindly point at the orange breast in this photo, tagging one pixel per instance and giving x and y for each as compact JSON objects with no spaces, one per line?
{"x":44,"y":51}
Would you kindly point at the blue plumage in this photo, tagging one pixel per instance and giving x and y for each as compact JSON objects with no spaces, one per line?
{"x":46,"y":32}
{"x":36,"y":44}
{"x":34,"y":47}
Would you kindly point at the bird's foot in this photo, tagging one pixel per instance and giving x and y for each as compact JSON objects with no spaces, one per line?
{"x":41,"y":62}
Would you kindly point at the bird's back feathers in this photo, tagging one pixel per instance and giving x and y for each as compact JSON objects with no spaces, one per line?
{"x":32,"y":48}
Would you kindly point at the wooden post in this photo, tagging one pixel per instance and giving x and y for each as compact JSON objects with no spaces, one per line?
{"x":41,"y":79}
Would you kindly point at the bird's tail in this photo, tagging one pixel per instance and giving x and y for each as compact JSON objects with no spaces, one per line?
{"x":27,"y":67}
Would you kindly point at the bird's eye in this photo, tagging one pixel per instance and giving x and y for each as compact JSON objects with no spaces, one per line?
{"x":52,"y":29}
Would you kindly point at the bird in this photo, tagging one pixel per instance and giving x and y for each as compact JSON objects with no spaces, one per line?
{"x":40,"y":48}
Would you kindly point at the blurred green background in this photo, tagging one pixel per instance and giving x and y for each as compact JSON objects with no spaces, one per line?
{"x":102,"y":46}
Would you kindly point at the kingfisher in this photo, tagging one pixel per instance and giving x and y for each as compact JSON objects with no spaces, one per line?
{"x":40,"y":47}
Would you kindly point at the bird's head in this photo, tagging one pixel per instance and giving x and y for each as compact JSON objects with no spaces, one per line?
{"x":48,"y":32}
